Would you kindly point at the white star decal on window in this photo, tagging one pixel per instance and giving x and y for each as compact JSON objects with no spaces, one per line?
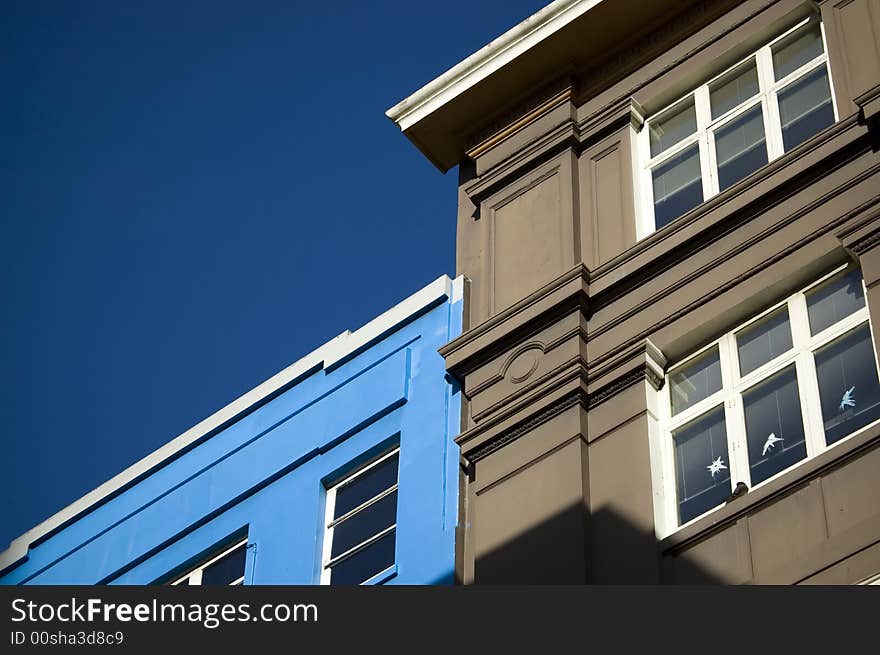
{"x":716,"y":466}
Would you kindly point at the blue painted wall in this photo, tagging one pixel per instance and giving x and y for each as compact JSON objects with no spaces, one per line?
{"x":265,"y":474}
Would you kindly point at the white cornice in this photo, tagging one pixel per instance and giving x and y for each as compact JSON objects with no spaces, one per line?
{"x":332,"y":353}
{"x":487,"y":60}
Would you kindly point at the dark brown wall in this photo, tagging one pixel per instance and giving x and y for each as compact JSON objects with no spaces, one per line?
{"x":572,"y":321}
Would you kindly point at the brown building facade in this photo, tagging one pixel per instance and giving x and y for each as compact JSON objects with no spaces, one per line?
{"x":669,"y":217}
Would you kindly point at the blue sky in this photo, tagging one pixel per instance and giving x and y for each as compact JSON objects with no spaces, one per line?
{"x":190,"y":193}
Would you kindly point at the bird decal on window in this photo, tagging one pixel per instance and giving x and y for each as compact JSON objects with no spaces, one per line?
{"x":772,"y":440}
{"x":848,"y":400}
{"x":716,"y":466}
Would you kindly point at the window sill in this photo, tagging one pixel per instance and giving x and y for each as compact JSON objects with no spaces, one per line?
{"x":773,"y":489}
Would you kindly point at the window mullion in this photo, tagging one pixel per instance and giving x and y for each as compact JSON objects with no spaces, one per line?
{"x":811,"y":409}
{"x":729,"y":364}
{"x":811,"y":406}
{"x":772,"y":122}
{"x":734,"y":416}
{"x":800,"y":322}
{"x":704,"y":117}
{"x":739,"y":467}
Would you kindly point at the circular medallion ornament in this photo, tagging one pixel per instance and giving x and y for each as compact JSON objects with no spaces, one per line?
{"x":523,"y":365}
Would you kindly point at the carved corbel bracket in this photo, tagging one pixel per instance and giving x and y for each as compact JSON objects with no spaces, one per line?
{"x":861,"y":238}
{"x":642,"y":362}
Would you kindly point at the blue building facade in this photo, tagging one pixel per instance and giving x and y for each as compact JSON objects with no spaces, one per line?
{"x":340,"y":469}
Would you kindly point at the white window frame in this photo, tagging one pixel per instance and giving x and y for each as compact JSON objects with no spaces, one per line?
{"x":194,"y":577}
{"x":768,"y":90}
{"x":804,"y":345}
{"x":330,"y":508}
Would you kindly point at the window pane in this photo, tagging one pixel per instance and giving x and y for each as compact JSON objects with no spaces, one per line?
{"x":805,"y":108}
{"x":695,"y":381}
{"x":763,"y":341}
{"x":734,"y":89}
{"x":226,"y":569}
{"x":366,"y":563}
{"x":774,"y":426}
{"x":678,"y":186}
{"x":796,"y":50}
{"x":365,"y":486}
{"x":702,"y":476}
{"x":740,"y":147}
{"x":848,"y":385}
{"x":676,"y":124}
{"x":366,"y":523}
{"x":835,"y":300}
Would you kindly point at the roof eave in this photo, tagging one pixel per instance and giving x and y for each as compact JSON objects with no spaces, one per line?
{"x":470,"y":72}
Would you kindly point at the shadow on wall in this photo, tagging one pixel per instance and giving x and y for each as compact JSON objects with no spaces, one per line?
{"x":573,"y":548}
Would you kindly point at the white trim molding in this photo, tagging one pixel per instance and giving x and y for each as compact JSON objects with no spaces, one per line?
{"x":489,"y":59}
